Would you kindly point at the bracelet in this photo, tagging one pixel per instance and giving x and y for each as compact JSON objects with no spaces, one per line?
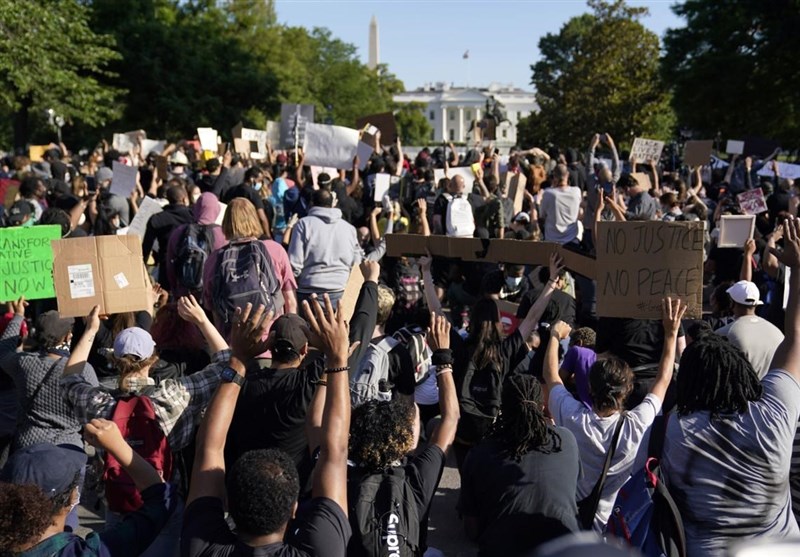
{"x":442,"y":357}
{"x":337,"y":369}
{"x":322,"y":383}
{"x":444,"y":369}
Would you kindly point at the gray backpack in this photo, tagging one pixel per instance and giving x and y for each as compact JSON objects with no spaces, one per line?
{"x":371,"y":379}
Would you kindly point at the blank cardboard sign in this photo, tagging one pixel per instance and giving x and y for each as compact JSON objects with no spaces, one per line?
{"x":734,"y":147}
{"x":735,"y":230}
{"x":698,"y":153}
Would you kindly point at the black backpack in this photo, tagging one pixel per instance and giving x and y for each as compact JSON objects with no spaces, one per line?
{"x":479,"y":402}
{"x":194,"y":247}
{"x":244,"y":274}
{"x":383,"y":514}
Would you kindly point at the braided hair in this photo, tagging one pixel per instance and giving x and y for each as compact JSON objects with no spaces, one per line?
{"x":715,"y":376}
{"x":522,"y":425}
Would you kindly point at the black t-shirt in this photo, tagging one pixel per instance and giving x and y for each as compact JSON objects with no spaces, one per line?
{"x":322,"y":529}
{"x":271,"y":413}
{"x":564,"y":302}
{"x":423,"y":473}
{"x":727,"y":264}
{"x":243,"y":190}
{"x":637,"y":341}
{"x":520,"y":505}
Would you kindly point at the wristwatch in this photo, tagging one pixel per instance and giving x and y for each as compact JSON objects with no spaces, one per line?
{"x":230,"y":375}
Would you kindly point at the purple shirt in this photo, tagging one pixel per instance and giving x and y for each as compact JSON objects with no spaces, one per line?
{"x":579,"y":361}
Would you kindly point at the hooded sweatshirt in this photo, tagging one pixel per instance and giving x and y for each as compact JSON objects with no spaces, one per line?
{"x":205,"y":211}
{"x":323,"y":250}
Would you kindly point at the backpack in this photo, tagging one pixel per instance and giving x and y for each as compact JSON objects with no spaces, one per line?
{"x":194,"y":247}
{"x":371,"y":379}
{"x":460,"y":221}
{"x":644,"y":514}
{"x":244,"y":273}
{"x":414,"y":339}
{"x":384,"y":515}
{"x":408,"y":288}
{"x":137,"y":422}
{"x":479,"y":406}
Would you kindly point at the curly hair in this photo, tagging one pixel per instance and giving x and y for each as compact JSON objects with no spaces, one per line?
{"x":381,"y":432}
{"x":584,"y":336}
{"x":26,"y":512}
{"x":716,"y":377}
{"x":263,"y":487}
{"x":610,"y":383}
{"x":522,"y":424}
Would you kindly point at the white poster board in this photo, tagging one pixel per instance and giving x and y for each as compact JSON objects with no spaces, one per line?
{"x":334,"y":146}
{"x":734,"y":147}
{"x":785,"y":170}
{"x":150,"y":145}
{"x":147,"y":209}
{"x":383,"y":182}
{"x":735,"y":230}
{"x":222,"y":208}
{"x":209,"y":139}
{"x":123,"y":182}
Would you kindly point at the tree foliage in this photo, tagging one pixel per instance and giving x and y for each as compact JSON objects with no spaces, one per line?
{"x":50,"y":58}
{"x":412,"y":124}
{"x":734,"y":68}
{"x":600,"y":73}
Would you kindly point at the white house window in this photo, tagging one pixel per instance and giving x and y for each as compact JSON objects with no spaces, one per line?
{"x":468,"y":115}
{"x":452,"y":115}
{"x":519,"y":116}
{"x":433,"y":135}
{"x":452,"y":134}
{"x":505,"y":134}
{"x":431,"y":115}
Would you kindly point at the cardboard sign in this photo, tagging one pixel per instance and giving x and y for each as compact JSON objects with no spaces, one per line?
{"x":463,"y":171}
{"x":752,"y":202}
{"x":294,"y":118}
{"x":498,"y":251}
{"x":334,"y":146}
{"x":759,"y":147}
{"x":162,"y":167}
{"x":273,"y":133}
{"x":347,"y":304}
{"x":147,"y":209}
{"x":383,"y":182}
{"x":241,"y":146}
{"x":36,"y":152}
{"x":209,"y":139}
{"x":698,"y":153}
{"x":645,"y":150}
{"x":252,"y":142}
{"x":8,"y":191}
{"x":640,"y":263}
{"x":102,"y":270}
{"x":734,"y":147}
{"x":735,"y":230}
{"x":384,"y":122}
{"x":643,"y":179}
{"x":508,"y":316}
{"x":123,"y":182}
{"x":515,"y":184}
{"x":26,"y":262}
{"x":127,"y":142}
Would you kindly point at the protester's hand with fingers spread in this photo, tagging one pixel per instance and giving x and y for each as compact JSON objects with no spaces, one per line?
{"x":331,"y":330}
{"x":556,"y":265}
{"x":439,"y":332}
{"x":790,"y":256}
{"x":190,"y":310}
{"x":672,"y":312}
{"x":247,"y":333}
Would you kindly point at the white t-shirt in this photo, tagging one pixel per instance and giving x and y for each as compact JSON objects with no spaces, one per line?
{"x":729,"y":476}
{"x":757,"y":338}
{"x":594,"y":435}
{"x":560,"y":208}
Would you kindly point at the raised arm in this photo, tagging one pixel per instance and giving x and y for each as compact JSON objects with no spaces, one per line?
{"x":731,"y":168}
{"x":528,"y":325}
{"x":190,"y":310}
{"x":746,"y":272}
{"x":80,"y":354}
{"x":422,"y":205}
{"x":770,"y":263}
{"x":330,"y":332}
{"x":208,"y":473}
{"x":373,"y":225}
{"x":434,"y":304}
{"x":439,"y":341}
{"x":787,"y":356}
{"x":672,"y":312}
{"x":551,"y":376}
{"x":399,"y":171}
{"x":616,"y":171}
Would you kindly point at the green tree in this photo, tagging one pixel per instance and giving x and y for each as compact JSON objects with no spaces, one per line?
{"x":51,"y":59}
{"x":412,"y":124}
{"x":600,"y":73}
{"x":734,"y":68}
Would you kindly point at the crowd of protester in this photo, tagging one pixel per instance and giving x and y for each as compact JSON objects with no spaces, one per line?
{"x":267,"y":422}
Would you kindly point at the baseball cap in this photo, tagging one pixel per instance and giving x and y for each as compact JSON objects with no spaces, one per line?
{"x":50,"y":467}
{"x":281,"y":158}
{"x":19,"y":211}
{"x":522,"y":217}
{"x":745,"y":293}
{"x":103,"y":174}
{"x":134,"y":342}
{"x":51,"y":327}
{"x":290,"y":333}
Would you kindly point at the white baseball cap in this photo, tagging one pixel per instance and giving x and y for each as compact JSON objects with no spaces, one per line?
{"x":745,"y":293}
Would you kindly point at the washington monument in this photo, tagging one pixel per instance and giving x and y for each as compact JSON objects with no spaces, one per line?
{"x":374,"y":53}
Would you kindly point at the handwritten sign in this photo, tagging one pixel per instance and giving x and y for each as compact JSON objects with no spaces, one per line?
{"x":752,"y":202}
{"x":644,"y":150}
{"x":26,"y":262}
{"x":640,"y":263}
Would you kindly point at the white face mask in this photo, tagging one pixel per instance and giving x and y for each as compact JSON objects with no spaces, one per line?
{"x":82,"y":220}
{"x":513,"y":282}
{"x":257,"y":186}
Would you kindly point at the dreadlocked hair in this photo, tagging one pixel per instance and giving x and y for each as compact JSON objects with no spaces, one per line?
{"x":522,"y":425}
{"x":715,"y":376}
{"x":381,"y":432}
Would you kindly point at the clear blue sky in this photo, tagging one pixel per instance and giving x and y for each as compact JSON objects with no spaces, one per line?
{"x":423,"y":40}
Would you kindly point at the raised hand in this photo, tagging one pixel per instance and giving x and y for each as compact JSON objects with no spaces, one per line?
{"x":556,"y":264}
{"x":560,"y":330}
{"x":371,"y":270}
{"x":103,"y":434}
{"x":247,"y":334}
{"x":190,"y":310}
{"x":671,"y":315}
{"x":439,"y":332}
{"x":329,"y":329}
{"x":19,"y":306}
{"x":790,"y":256}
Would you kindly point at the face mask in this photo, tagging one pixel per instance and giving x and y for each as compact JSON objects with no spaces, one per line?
{"x":28,"y":223}
{"x":257,"y":186}
{"x":195,"y":197}
{"x":513,"y":282}
{"x":82,"y":220}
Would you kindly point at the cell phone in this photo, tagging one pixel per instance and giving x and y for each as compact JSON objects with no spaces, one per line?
{"x":91,"y":184}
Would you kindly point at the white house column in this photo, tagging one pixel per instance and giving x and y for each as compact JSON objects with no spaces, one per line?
{"x":445,"y":136}
{"x":460,"y":127}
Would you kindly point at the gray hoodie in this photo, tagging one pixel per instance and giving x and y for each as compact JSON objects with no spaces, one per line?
{"x":323,"y":250}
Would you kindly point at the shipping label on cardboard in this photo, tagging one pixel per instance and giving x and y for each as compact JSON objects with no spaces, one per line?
{"x":81,"y":281}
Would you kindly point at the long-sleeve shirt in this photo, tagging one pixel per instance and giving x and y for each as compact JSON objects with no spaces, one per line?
{"x":127,"y":539}
{"x":178,"y":403}
{"x":592,"y":195}
{"x":47,"y":418}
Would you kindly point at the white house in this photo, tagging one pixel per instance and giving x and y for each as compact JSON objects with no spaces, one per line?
{"x":450,"y":110}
